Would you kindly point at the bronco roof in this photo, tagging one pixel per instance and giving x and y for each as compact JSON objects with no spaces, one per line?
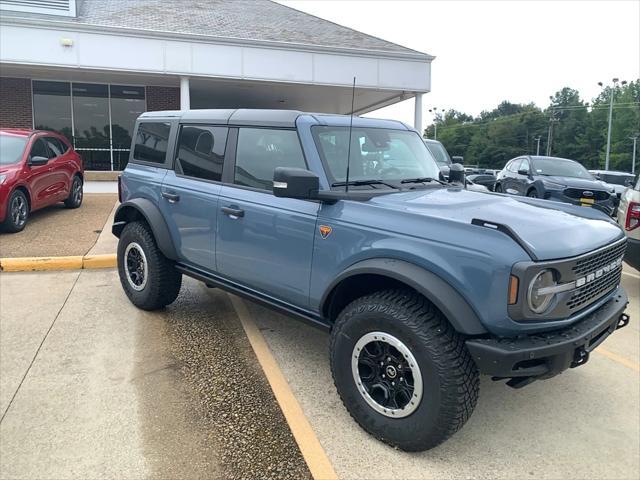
{"x":268,"y":118}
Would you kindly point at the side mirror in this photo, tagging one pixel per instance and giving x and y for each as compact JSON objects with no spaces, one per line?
{"x":456,"y":174}
{"x":458,"y":159}
{"x":38,"y":161}
{"x":295,"y":183}
{"x":523,"y":171}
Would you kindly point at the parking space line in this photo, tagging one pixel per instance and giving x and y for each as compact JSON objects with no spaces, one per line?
{"x":619,"y":359}
{"x":633,"y":275}
{"x":310,"y":447}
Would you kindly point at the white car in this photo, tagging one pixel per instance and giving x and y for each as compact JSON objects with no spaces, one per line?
{"x":629,"y":221}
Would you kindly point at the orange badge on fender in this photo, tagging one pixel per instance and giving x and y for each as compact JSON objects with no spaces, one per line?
{"x":325,"y":230}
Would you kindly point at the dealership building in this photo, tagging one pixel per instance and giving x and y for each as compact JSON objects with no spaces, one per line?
{"x":88,"y":68}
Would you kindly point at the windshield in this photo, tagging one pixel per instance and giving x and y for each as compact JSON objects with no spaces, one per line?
{"x":561,"y":168}
{"x":11,"y":149}
{"x":626,"y":180}
{"x":376,"y":154}
{"x":439,"y":153}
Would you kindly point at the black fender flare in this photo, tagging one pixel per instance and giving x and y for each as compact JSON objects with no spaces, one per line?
{"x":453,"y":306}
{"x":151,"y":213}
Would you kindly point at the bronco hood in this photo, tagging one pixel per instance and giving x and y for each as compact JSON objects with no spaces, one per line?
{"x":550,"y":230}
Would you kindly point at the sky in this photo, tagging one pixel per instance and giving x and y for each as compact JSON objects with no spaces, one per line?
{"x":490,"y":51}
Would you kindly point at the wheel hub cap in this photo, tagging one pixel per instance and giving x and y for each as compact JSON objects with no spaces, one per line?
{"x":18,"y":211}
{"x":135,"y":264}
{"x":386,"y":374}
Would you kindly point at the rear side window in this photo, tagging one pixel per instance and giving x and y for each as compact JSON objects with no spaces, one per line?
{"x":152,"y":139}
{"x":514,"y":165}
{"x":200,"y":152}
{"x":260,"y":151}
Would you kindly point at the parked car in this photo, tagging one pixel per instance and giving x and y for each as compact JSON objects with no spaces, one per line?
{"x":629,"y":221}
{"x":619,"y":181}
{"x":423,"y":284}
{"x":440,"y":155}
{"x":487,"y":180}
{"x":558,"y":179}
{"x":37,"y":169}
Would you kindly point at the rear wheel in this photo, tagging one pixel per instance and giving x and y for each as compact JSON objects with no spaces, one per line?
{"x":497,"y":188}
{"x":75,"y":194}
{"x":401,"y":370}
{"x":17,"y":212}
{"x":149,"y":279}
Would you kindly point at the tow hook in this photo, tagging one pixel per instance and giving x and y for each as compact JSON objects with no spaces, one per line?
{"x":580,"y":357}
{"x":623,"y":321}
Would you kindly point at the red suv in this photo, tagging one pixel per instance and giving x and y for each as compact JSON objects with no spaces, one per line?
{"x":37,"y":168}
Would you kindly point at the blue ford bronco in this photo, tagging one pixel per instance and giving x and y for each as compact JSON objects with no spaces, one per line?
{"x":345,"y":222}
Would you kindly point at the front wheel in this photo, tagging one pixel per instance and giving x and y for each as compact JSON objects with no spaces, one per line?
{"x":532,"y":193}
{"x":401,"y":370}
{"x":17,"y":212}
{"x":148,"y":278}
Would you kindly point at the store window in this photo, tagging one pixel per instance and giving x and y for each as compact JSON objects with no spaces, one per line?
{"x":127,"y":103}
{"x":52,"y":107}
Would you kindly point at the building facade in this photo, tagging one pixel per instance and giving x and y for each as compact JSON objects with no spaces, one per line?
{"x":88,"y":68}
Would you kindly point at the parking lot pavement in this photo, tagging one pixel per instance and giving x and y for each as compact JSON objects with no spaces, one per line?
{"x":582,"y":424}
{"x":115,"y":392}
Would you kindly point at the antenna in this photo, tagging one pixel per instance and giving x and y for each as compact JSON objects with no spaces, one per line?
{"x":353,"y":96}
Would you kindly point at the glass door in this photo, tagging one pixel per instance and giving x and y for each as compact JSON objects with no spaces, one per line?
{"x":92,"y":129}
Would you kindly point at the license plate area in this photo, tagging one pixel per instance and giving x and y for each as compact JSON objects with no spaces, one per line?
{"x":587,"y":202}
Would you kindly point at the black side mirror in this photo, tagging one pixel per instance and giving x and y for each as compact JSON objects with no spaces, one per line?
{"x":523,"y":171}
{"x":38,"y":161}
{"x":295,"y":183}
{"x":456,"y":174}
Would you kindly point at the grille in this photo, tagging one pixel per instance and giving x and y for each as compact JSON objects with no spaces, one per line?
{"x":594,"y":290}
{"x":600,"y":259}
{"x":578,"y":193}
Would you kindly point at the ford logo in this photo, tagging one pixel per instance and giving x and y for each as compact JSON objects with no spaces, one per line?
{"x":587,"y":193}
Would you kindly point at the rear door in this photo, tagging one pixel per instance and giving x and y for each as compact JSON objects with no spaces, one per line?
{"x":509,"y":181}
{"x":58,"y":168}
{"x":264,"y":242}
{"x":521,"y":182}
{"x":190,"y":192}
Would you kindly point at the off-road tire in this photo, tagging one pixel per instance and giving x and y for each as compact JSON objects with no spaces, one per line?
{"x":163,"y":280}
{"x":9,"y":225}
{"x":450,"y":377}
{"x":75,"y":200}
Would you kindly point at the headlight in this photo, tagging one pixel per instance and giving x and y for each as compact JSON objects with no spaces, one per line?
{"x":2,"y":178}
{"x":552,"y":185}
{"x":540,"y":294}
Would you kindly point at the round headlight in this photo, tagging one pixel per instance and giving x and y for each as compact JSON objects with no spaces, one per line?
{"x":538,"y":299}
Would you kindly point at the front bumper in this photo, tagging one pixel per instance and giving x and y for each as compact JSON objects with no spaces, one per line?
{"x":607,"y":206}
{"x":544,"y":355}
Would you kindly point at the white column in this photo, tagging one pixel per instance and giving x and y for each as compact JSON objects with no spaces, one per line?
{"x":185,"y":102}
{"x":417,"y":119}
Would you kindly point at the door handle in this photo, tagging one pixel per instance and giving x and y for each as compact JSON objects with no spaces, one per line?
{"x":171,"y":197}
{"x":233,"y":213}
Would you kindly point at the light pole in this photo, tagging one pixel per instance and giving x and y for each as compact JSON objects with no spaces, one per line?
{"x":537,"y":139}
{"x":633,"y":157}
{"x":613,"y":89}
{"x":434,"y":110}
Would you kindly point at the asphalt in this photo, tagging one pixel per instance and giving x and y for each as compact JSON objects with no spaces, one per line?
{"x":91,"y":387}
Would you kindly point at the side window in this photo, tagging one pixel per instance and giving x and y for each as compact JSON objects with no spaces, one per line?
{"x":514,"y":165}
{"x":54,"y":146}
{"x":39,"y":149}
{"x":524,"y":165}
{"x":260,"y":151}
{"x":200,"y":151}
{"x":152,"y":139}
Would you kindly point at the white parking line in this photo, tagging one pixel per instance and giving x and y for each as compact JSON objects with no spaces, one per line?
{"x":633,"y":275}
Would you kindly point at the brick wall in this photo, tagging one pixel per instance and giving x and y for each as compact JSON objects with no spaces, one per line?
{"x":15,"y":103}
{"x":163,"y":98}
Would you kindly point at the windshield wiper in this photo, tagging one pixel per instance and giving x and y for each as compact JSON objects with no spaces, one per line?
{"x":363,"y":182}
{"x":422,"y":180}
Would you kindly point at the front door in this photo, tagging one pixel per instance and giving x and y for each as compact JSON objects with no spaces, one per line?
{"x":190,"y":193}
{"x":265,"y":242}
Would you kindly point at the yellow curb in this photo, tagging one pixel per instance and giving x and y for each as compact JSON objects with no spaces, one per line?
{"x":310,"y":447}
{"x":77,"y":262}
